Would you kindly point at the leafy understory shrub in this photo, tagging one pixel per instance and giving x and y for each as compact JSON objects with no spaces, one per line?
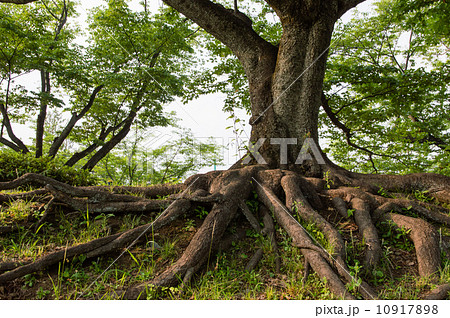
{"x":14,"y":165}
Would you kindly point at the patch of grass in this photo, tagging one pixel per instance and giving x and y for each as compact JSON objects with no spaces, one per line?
{"x":223,"y":278}
{"x":395,"y":236}
{"x":405,"y":287}
{"x":312,"y":229}
{"x":16,"y":212}
{"x":422,"y":196}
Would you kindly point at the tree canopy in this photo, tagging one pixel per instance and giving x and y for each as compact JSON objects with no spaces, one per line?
{"x":90,"y":95}
{"x":386,"y":95}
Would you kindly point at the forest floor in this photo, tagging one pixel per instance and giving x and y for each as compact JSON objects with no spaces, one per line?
{"x":223,"y":277}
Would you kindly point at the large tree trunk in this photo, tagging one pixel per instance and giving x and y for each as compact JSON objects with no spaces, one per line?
{"x":285,"y":81}
{"x":294,"y":92}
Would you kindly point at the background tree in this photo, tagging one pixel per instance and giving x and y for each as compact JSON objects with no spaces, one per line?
{"x":137,"y":161}
{"x":32,"y":38}
{"x":388,"y":76}
{"x":133,"y":65}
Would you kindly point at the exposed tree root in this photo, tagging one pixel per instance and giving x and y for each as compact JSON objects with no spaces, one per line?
{"x":99,"y":246}
{"x":269,"y":230}
{"x":367,"y":230}
{"x":254,"y":260}
{"x":233,"y":185}
{"x":8,"y":266}
{"x":34,"y":195}
{"x":440,"y":292}
{"x":314,"y":257}
{"x":425,"y":239}
{"x":293,"y":200}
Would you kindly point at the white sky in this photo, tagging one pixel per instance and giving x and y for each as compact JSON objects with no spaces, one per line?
{"x":203,"y":116}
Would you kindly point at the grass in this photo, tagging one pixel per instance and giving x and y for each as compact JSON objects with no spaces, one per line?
{"x":223,"y":278}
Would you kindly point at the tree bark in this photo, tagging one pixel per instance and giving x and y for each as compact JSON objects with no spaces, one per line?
{"x":106,"y":148}
{"x":101,"y":138}
{"x":40,"y":122}
{"x":46,"y":87}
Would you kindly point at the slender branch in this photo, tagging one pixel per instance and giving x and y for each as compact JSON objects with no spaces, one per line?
{"x":72,"y":122}
{"x":410,"y":50}
{"x":345,"y":5}
{"x":9,"y":144}
{"x":106,"y":148}
{"x":45,"y":91}
{"x":438,"y":142}
{"x":50,"y":11}
{"x":7,"y":123}
{"x":18,"y":1}
{"x":228,"y":28}
{"x":365,"y":97}
{"x":102,"y":137}
{"x":348,"y":134}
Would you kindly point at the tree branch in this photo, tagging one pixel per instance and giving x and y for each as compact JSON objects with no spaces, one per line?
{"x":9,"y":144}
{"x":11,"y":134}
{"x":80,"y":155}
{"x":348,"y":134}
{"x":345,"y":5}
{"x":227,"y":27}
{"x":106,"y":148}
{"x":40,"y":122}
{"x":17,"y":1}
{"x":45,"y":80}
{"x":57,"y":142}
{"x":438,"y":142}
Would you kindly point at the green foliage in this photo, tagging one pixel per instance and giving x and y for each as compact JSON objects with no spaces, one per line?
{"x":137,"y":162}
{"x":138,"y":62}
{"x":201,"y":212}
{"x":395,"y":236}
{"x":29,"y":44}
{"x":14,"y":165}
{"x":387,"y":81}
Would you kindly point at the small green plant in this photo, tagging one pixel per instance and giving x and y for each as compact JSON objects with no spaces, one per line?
{"x":189,"y":225}
{"x":86,"y":218}
{"x":396,"y":236}
{"x":168,"y":249}
{"x":350,"y":212}
{"x":328,"y":180}
{"x":422,"y":196}
{"x":130,"y":221}
{"x":30,"y":280}
{"x":201,"y":212}
{"x":378,"y":277}
{"x":253,"y":204}
{"x":382,"y":191}
{"x":356,"y":280}
{"x":41,"y":293}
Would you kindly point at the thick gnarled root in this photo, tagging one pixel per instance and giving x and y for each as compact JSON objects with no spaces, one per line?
{"x":292,"y":199}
